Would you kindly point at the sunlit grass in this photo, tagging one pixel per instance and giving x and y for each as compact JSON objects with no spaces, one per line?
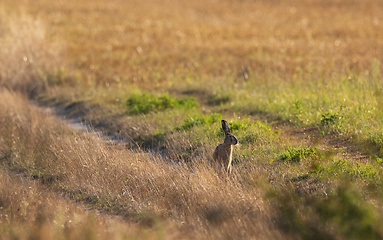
{"x":267,"y":67}
{"x":346,"y":106}
{"x":121,"y":181}
{"x":145,"y":103}
{"x":28,"y":211}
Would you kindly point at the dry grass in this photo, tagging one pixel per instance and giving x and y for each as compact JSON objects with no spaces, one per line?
{"x":29,"y":211}
{"x":141,"y":187}
{"x":160,"y":43}
{"x":293,"y":59}
{"x":30,"y":62}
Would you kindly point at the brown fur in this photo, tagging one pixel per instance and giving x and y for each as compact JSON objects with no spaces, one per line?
{"x":223,"y":153}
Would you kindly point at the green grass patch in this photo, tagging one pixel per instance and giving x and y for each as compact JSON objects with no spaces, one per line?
{"x":379,"y":160}
{"x":354,"y":217}
{"x":342,"y":105}
{"x":376,"y":140}
{"x":298,"y":154}
{"x":198,"y":121}
{"x":353,"y":170}
{"x":145,"y":103}
{"x":249,"y":133}
{"x":329,"y":119}
{"x":342,"y":214}
{"x":218,"y":98}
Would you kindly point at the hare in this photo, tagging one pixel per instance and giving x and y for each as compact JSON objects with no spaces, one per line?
{"x":223,"y":152}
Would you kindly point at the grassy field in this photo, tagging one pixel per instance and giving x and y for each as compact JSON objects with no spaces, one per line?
{"x":299,"y":82}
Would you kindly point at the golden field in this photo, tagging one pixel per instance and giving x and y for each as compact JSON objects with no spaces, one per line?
{"x":299,"y":81}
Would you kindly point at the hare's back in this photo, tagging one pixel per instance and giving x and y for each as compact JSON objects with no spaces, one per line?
{"x":222,"y":153}
{"x":215,"y":154}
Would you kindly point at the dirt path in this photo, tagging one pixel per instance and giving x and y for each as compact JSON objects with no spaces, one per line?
{"x":331,"y":143}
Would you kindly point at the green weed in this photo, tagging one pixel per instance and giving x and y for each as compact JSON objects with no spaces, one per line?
{"x":296,"y":155}
{"x":377,"y":138}
{"x":236,"y":126}
{"x":298,"y":107}
{"x":329,"y":119}
{"x":264,"y":127}
{"x":362,"y":171}
{"x":379,"y":160}
{"x":145,"y":103}
{"x":197,"y":121}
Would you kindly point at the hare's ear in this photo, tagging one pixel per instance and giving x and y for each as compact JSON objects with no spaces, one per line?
{"x":225,"y":127}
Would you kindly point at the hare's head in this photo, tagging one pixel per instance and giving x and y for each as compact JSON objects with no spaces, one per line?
{"x":229,"y":138}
